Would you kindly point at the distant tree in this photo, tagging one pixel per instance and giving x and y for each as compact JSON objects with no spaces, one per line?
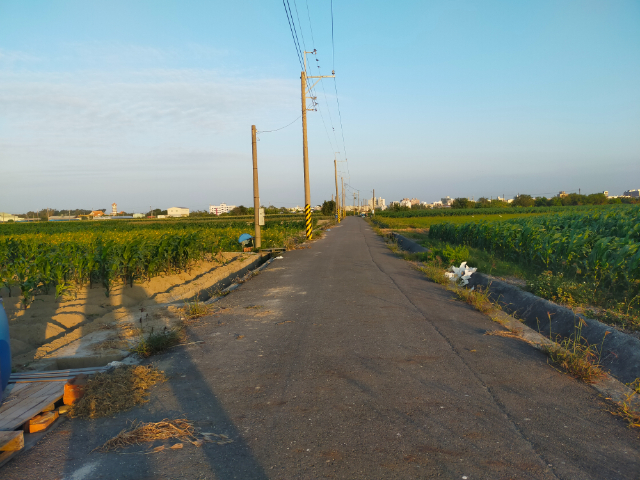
{"x":523,"y":201}
{"x":328,"y":207}
{"x":483,"y":202}
{"x":555,"y":202}
{"x":597,"y":199}
{"x":542,"y":202}
{"x":460,"y":203}
{"x":240,"y":210}
{"x":418,"y":206}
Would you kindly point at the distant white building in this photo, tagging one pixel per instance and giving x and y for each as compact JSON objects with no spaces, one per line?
{"x":222,"y":208}
{"x":632,"y":193}
{"x":177,"y":212}
{"x":447,"y":200}
{"x":380,"y":203}
{"x":5,"y":217}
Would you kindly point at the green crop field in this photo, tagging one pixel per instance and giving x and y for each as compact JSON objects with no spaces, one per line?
{"x":404,"y":222}
{"x":595,"y":244}
{"x":62,"y":255}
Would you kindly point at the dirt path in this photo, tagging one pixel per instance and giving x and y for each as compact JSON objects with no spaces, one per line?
{"x":340,"y":361}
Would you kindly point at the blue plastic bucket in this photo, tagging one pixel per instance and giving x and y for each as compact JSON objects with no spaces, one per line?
{"x":5,"y":351}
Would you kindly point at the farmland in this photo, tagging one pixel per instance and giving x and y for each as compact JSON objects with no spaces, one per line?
{"x":57,"y":257}
{"x":425,"y":221}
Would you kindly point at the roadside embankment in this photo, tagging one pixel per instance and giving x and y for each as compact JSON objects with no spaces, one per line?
{"x":620,"y":352}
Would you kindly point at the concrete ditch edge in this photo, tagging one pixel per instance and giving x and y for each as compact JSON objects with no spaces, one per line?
{"x":609,"y":387}
{"x":620,"y":351}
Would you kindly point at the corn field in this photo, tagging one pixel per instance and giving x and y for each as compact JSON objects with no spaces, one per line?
{"x":48,"y":258}
{"x":599,"y":244}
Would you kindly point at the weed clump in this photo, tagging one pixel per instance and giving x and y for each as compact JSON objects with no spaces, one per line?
{"x":575,"y":356}
{"x":121,"y":389}
{"x":156,"y":343}
{"x":195,"y":309}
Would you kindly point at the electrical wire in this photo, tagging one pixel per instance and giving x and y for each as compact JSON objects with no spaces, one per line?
{"x":281,"y":128}
{"x":335,"y":84}
{"x":295,"y":44}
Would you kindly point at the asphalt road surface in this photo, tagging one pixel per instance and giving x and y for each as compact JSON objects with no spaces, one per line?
{"x":341,"y":361}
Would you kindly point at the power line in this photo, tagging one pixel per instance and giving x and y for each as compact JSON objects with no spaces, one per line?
{"x":281,"y":128}
{"x":295,"y":44}
{"x":335,"y":84}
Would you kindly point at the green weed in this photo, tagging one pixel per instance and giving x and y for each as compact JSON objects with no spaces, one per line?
{"x":156,"y":343}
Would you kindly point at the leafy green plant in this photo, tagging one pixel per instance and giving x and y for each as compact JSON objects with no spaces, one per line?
{"x":155,"y":343}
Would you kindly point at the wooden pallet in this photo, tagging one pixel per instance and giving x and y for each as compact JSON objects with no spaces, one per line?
{"x":11,"y":441}
{"x":26,"y":400}
{"x":52,"y":375}
{"x":27,"y":395}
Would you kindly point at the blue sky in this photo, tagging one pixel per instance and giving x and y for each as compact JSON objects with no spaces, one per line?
{"x":150,"y":103}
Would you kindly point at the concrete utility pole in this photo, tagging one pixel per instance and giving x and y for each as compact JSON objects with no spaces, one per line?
{"x":358,"y":202}
{"x":344,"y":210}
{"x":373,"y":205}
{"x":256,"y":193}
{"x":305,"y":149}
{"x":335,"y":167}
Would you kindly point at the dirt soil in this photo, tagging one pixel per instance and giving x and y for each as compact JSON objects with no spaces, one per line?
{"x":47,"y":326}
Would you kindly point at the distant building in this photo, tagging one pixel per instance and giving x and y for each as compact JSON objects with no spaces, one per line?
{"x":177,"y":212}
{"x":97,"y":213}
{"x":562,"y":194}
{"x":414,"y":201}
{"x":447,"y":201}
{"x":632,"y":193}
{"x":379,"y":203}
{"x":5,"y":217}
{"x":138,"y":215}
{"x":114,"y":209}
{"x":606,"y":193}
{"x":222,"y":208}
{"x":63,"y":218}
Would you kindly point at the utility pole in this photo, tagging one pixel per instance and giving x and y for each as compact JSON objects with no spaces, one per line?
{"x":305,"y":149}
{"x":335,"y":167}
{"x":358,"y":202}
{"x":256,"y":194}
{"x":373,"y":205}
{"x":344,"y":211}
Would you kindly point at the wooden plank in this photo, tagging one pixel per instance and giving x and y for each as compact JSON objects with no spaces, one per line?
{"x":11,"y":441}
{"x":30,"y":402}
{"x":59,"y":372}
{"x":59,"y":379}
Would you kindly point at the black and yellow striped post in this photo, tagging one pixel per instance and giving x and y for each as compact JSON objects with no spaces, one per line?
{"x":307,"y":220}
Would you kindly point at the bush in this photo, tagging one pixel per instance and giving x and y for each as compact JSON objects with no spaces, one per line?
{"x":452,"y":255}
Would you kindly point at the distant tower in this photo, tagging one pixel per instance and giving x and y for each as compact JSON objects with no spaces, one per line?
{"x":114,"y":209}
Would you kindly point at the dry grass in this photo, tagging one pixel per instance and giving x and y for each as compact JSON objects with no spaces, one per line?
{"x":121,"y":389}
{"x":629,"y":410}
{"x":511,"y":333}
{"x":110,"y":344}
{"x":148,"y":432}
{"x":478,"y":299}
{"x":180,"y":428}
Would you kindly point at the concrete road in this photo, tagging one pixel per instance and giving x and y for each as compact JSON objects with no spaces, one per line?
{"x":341,"y":361}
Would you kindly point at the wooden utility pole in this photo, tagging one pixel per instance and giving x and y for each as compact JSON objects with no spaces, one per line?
{"x":335,"y":167}
{"x":373,"y":204}
{"x":256,"y":192}
{"x":305,"y":149}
